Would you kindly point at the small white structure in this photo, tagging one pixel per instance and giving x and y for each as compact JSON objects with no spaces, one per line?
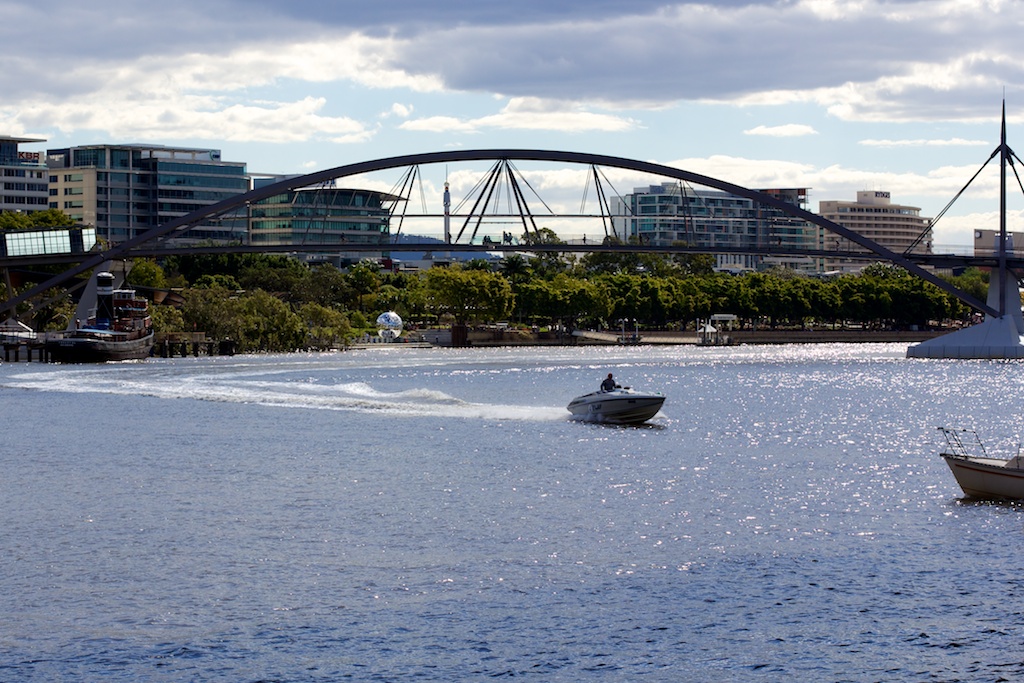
{"x":14,"y":331}
{"x":389,"y":326}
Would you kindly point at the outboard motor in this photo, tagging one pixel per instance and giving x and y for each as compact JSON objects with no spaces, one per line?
{"x":104,"y":300}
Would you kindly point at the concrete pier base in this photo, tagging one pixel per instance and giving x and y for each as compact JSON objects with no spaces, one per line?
{"x":992,"y":339}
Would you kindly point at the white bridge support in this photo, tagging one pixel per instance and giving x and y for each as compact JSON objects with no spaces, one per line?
{"x":996,"y":337}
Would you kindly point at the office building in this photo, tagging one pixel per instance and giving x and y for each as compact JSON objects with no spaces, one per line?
{"x":125,"y":190}
{"x":672,"y":213}
{"x":25,"y":186}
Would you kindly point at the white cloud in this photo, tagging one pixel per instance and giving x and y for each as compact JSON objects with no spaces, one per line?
{"x":790,"y":130}
{"x":176,"y":116}
{"x":527,"y":113}
{"x":400,"y":110}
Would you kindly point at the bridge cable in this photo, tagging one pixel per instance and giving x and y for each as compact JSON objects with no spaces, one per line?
{"x":482,"y":188}
{"x":403,"y":190}
{"x":493,"y":182}
{"x":935,"y":220}
{"x":598,"y":170}
{"x":602,"y":202}
{"x":526,"y":180}
{"x":521,"y":206}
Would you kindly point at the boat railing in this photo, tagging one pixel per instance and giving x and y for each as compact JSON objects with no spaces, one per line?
{"x":964,"y":443}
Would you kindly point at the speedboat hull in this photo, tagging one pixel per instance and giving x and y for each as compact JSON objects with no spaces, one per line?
{"x":621,"y":406}
{"x":986,"y":478}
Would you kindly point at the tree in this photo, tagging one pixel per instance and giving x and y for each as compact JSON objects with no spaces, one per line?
{"x":256,"y":321}
{"x":325,"y":327}
{"x":273,"y":274}
{"x":364,"y":280}
{"x":327,"y":286}
{"x":694,"y":264}
{"x":48,"y":218}
{"x":609,"y":263}
{"x":515,"y":268}
{"x":469,"y":295}
{"x":575,"y":301}
{"x":478,"y":264}
{"x":167,"y":319}
{"x":217,"y":281}
{"x":146,"y":273}
{"x":546,"y":263}
{"x":262,"y":322}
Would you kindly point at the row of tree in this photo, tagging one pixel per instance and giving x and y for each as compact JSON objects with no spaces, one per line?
{"x":277,"y":303}
{"x":274,"y":303}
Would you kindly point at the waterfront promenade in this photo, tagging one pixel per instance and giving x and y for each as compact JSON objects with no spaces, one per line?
{"x":669,"y":337}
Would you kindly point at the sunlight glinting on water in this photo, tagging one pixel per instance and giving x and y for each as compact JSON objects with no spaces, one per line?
{"x":785,"y":516}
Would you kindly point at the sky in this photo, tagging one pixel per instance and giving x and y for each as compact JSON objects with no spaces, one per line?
{"x":834,"y":96}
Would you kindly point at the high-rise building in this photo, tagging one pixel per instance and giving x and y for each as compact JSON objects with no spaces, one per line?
{"x":670,"y":214}
{"x":124,"y":190}
{"x":896,"y":227}
{"x":24,"y":176}
{"x":323,"y":216}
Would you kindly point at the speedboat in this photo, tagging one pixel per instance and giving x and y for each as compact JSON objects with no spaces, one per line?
{"x":621,"y":405}
{"x":980,"y":475}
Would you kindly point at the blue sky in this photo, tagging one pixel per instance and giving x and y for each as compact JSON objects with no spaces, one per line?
{"x":903,"y":96}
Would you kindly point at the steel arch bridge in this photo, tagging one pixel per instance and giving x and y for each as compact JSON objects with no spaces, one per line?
{"x":183,"y":223}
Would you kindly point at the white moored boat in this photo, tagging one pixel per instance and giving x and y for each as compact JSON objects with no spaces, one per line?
{"x":621,"y":405}
{"x":980,"y":475}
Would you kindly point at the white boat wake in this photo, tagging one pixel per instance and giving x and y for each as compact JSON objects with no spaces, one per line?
{"x":307,"y":394}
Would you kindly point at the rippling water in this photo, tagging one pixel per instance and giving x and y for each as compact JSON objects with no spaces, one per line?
{"x":432,"y":514}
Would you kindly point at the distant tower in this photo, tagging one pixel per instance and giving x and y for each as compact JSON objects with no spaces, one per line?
{"x":447,"y":217}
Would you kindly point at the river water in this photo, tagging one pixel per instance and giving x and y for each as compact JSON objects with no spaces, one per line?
{"x":431,"y":514}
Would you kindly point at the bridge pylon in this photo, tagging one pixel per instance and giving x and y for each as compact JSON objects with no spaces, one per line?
{"x":998,"y":336}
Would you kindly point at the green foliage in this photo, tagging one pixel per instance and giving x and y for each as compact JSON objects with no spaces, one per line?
{"x":545,"y":264}
{"x":322,"y":307}
{"x":280,"y":275}
{"x":251,"y":271}
{"x":972,"y":281}
{"x":218,"y":281}
{"x":146,"y":273}
{"x":167,"y":319}
{"x":48,"y":218}
{"x":608,"y":263}
{"x":477,"y":264}
{"x":364,"y":280}
{"x":468,"y":295}
{"x":327,"y":286}
{"x":358,"y":320}
{"x":256,"y":321}
{"x":55,"y":314}
{"x":326,"y":328}
{"x":515,"y":268}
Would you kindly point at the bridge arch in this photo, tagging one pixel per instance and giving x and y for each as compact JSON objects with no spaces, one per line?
{"x":188,"y":220}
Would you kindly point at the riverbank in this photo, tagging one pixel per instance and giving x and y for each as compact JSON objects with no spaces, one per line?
{"x":587,"y":337}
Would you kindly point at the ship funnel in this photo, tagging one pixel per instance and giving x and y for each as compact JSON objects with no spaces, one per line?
{"x":104,"y":300}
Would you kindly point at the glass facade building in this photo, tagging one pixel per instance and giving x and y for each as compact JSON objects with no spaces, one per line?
{"x":671,"y":213}
{"x":324,"y":217}
{"x":125,"y":190}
